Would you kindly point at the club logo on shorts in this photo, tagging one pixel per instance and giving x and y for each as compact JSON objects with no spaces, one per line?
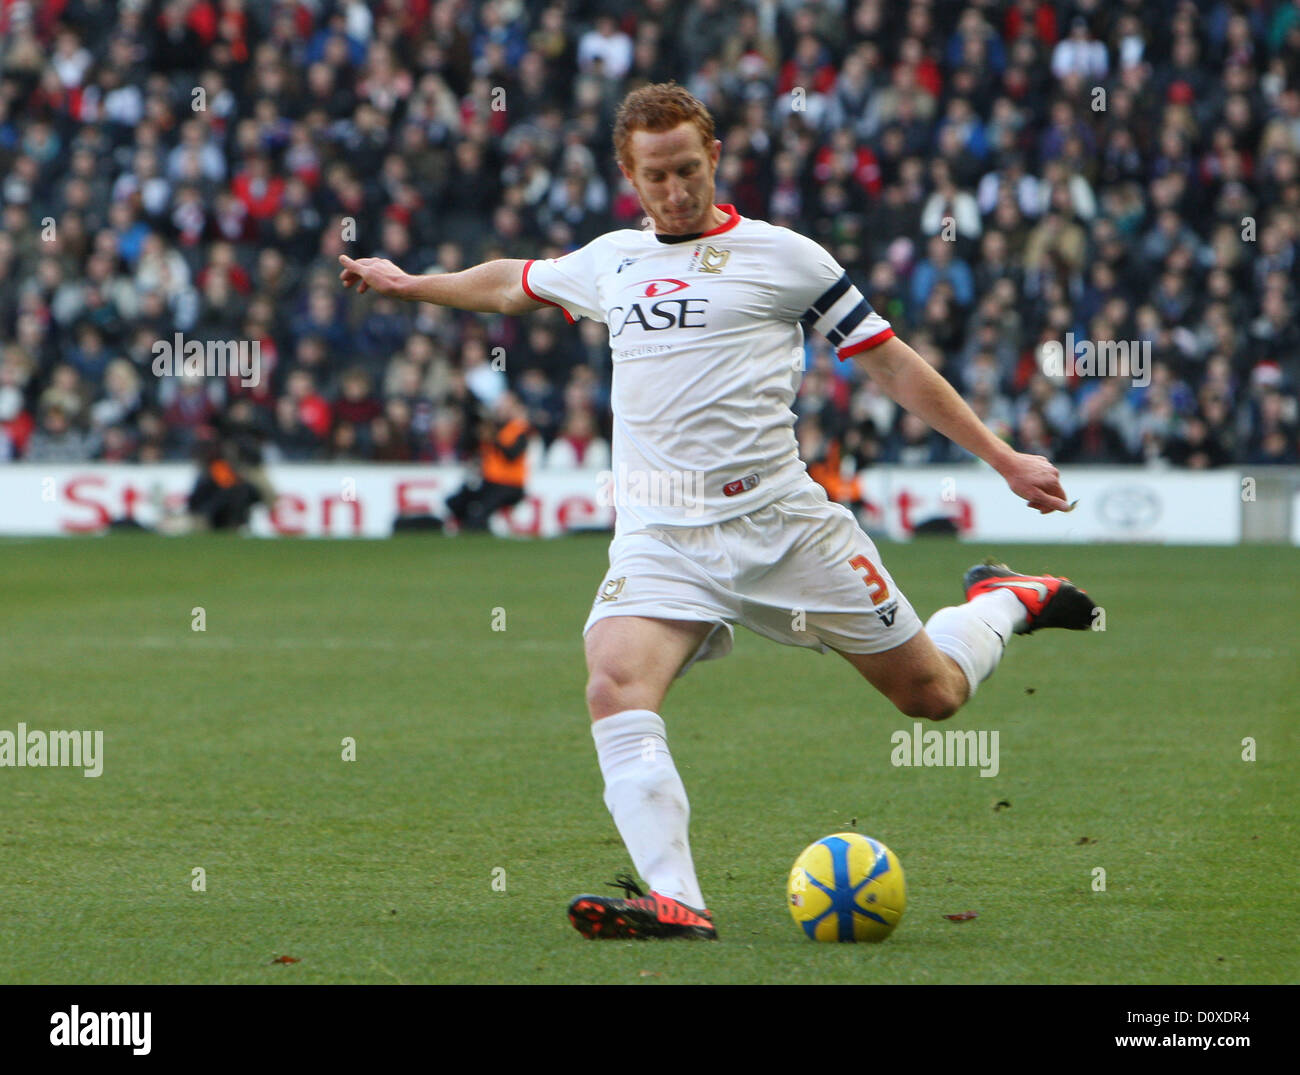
{"x":611,"y":589}
{"x":740,"y":485}
{"x":887,"y":611}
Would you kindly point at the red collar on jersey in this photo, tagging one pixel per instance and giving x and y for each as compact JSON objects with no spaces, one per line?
{"x":733,"y":218}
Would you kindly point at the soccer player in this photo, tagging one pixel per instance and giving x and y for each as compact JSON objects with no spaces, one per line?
{"x":718,"y":522}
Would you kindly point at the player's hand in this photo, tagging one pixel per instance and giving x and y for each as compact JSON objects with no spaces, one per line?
{"x":1035,"y":480}
{"x":373,"y":274}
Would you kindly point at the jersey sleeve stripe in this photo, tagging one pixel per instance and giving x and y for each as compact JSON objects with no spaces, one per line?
{"x":828,"y":299}
{"x":866,"y":345}
{"x":538,"y":298}
{"x":849,"y":322}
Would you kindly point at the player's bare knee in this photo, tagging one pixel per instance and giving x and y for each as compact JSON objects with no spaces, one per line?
{"x":602,"y":693}
{"x":609,"y":692}
{"x":932,"y":700}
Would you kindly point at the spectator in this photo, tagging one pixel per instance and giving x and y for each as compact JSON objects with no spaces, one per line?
{"x":1080,"y":56}
{"x":1095,"y":440}
{"x":357,"y":405}
{"x":56,"y":441}
{"x":914,"y":444}
{"x":579,"y":444}
{"x":607,"y":46}
{"x":942,"y":266}
{"x":1196,"y":446}
{"x":949,"y":212}
{"x":122,"y":399}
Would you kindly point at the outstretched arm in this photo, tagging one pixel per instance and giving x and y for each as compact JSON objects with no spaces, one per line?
{"x":495,"y":287}
{"x":913,"y":384}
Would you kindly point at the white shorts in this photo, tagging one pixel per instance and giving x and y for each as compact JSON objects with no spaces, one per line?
{"x":799,"y":571}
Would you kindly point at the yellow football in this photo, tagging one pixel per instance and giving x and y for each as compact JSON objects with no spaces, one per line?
{"x":847,"y":887}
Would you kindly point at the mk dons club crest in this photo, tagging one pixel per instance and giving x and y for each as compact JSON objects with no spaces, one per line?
{"x":709,"y":259}
{"x":611,"y":589}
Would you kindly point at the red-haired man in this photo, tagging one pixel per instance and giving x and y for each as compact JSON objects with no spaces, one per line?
{"x":718,"y":521}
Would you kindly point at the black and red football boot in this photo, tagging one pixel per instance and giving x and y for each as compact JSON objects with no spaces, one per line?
{"x":637,"y":916}
{"x":1049,"y":601}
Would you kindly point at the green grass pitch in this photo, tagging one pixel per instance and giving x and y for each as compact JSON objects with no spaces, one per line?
{"x":223,"y":750}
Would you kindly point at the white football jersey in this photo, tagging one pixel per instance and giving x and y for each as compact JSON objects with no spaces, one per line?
{"x":706,"y":334}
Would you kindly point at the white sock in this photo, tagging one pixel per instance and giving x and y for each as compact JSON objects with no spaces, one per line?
{"x":647,"y":801}
{"x":975,"y":634}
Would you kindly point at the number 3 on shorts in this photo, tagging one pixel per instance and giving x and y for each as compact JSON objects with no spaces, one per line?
{"x":870,"y":576}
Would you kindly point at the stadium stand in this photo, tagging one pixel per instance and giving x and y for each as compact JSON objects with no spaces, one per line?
{"x":995,"y":175}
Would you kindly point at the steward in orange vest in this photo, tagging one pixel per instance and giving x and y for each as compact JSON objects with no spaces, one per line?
{"x":503,"y":468}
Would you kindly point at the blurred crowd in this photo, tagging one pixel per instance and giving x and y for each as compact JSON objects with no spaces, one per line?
{"x":995,"y":174}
